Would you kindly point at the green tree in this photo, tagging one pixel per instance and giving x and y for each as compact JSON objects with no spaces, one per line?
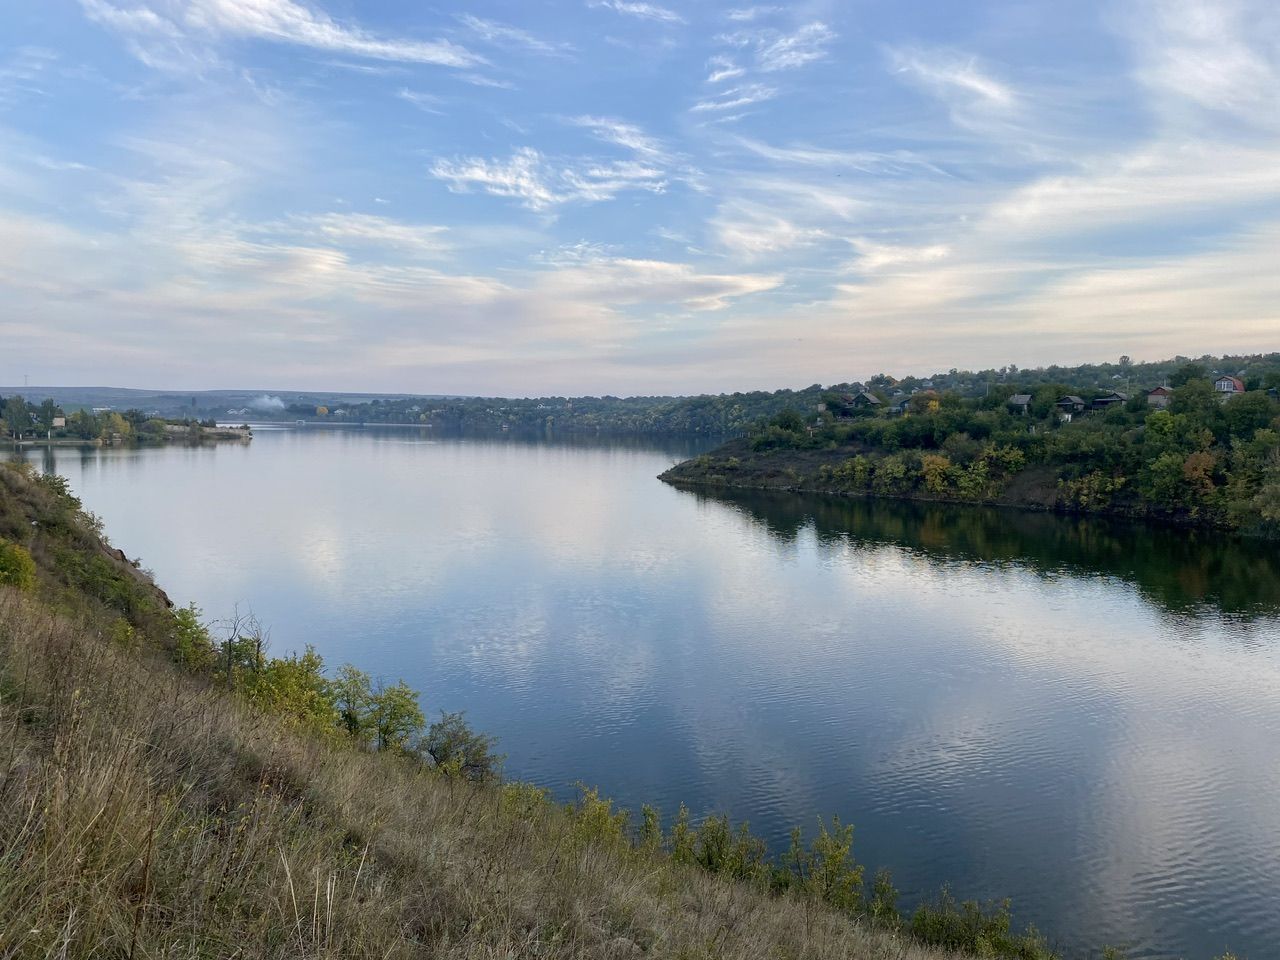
{"x":112,"y":425}
{"x":45,"y":413}
{"x":353,"y":696}
{"x":1188,"y":372}
{"x":17,"y":414}
{"x":1197,"y":398}
{"x":192,"y":645}
{"x":1248,"y":412}
{"x":395,"y":717}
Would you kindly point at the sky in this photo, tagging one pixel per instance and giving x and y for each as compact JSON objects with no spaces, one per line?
{"x":625,"y":197}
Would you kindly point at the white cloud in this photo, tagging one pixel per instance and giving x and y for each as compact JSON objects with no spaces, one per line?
{"x":748,"y":14}
{"x":622,"y":281}
{"x":523,"y":177}
{"x":899,"y":161}
{"x":20,"y":74}
{"x":623,"y":134}
{"x":775,"y":50}
{"x":787,"y":52}
{"x":134,"y":20}
{"x":426,"y":102}
{"x":757,"y":232}
{"x":949,"y":75}
{"x":504,"y":35}
{"x":722,"y":68}
{"x":875,"y":256}
{"x":1219,"y":56}
{"x":733,"y":99}
{"x":540,"y":185}
{"x":368,"y":230}
{"x":480,"y":80}
{"x":645,"y":11}
{"x":1159,"y":183}
{"x":283,"y":21}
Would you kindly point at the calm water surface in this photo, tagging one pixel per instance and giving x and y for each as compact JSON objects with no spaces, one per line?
{"x":1082,"y":715}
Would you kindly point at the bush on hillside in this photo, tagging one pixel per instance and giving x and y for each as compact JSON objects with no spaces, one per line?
{"x":17,"y":567}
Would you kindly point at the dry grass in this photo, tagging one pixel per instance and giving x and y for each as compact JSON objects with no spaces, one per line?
{"x":146,"y":814}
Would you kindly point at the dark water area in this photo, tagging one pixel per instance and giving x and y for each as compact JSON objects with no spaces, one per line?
{"x":1178,"y":568}
{"x":1079,"y":714}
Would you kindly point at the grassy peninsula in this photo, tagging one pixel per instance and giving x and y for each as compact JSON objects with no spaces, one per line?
{"x":165,"y":793}
{"x":1203,"y":452}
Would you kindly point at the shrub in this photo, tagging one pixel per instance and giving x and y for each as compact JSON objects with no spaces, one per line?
{"x":295,"y":687}
{"x":193,"y":648}
{"x":826,"y":869}
{"x":718,"y":848}
{"x":969,"y":927}
{"x":650,"y":829}
{"x":595,"y":820}
{"x":523,"y":800}
{"x":17,"y":568}
{"x":459,"y":751}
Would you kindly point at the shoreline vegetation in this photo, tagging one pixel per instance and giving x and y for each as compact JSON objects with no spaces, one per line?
{"x":1202,"y":453}
{"x":47,"y":424}
{"x":170,"y":787}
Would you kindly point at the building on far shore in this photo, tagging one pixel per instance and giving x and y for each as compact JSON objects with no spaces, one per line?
{"x":1229,"y":385}
{"x":1020,"y":403}
{"x":1071,"y":404}
{"x":1159,"y":397}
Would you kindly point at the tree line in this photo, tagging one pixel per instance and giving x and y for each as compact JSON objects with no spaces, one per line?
{"x":21,"y":419}
{"x":735,"y":414}
{"x":1203,"y":456}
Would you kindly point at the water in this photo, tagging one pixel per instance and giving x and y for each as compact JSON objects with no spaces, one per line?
{"x":1081,"y":715}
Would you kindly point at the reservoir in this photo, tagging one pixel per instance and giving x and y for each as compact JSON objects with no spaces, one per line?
{"x":1081,"y":715}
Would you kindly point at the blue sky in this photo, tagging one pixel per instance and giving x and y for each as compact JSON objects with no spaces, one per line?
{"x":614,"y":196}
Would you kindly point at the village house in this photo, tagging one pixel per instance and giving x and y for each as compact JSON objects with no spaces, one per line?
{"x":1020,"y":403}
{"x":1071,"y":404}
{"x":1229,"y":385}
{"x":1159,"y":397}
{"x":1110,"y":399}
{"x":866,"y":399}
{"x":59,"y":422}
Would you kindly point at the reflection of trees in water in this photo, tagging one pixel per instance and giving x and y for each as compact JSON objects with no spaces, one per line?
{"x":1179,"y":569}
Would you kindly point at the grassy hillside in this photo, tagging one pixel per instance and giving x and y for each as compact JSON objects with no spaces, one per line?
{"x":155,"y":802}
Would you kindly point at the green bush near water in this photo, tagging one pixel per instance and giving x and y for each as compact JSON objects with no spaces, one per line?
{"x":17,"y":567}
